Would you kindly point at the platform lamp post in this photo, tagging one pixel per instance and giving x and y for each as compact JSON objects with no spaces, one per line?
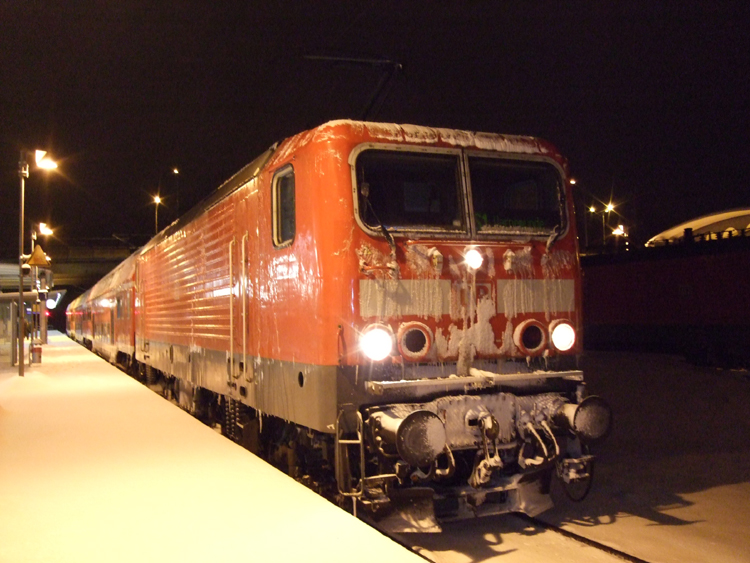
{"x":608,"y":209}
{"x":591,"y":210}
{"x":157,"y":201}
{"x":176,"y":172}
{"x":44,"y":163}
{"x":619,"y":233}
{"x":44,"y":231}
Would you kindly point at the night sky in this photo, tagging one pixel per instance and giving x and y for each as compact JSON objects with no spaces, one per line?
{"x":648,"y":100}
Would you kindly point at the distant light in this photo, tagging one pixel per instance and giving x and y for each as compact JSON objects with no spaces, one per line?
{"x":572,"y":181}
{"x":473,"y":259}
{"x":609,"y":208}
{"x":43,"y":162}
{"x":157,"y":200}
{"x":592,"y":209}
{"x":44,"y":229}
{"x":619,"y":231}
{"x":175,"y":170}
{"x":51,"y":303}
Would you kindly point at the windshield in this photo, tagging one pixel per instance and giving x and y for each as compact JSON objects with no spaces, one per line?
{"x":411,"y":191}
{"x":423,"y":191}
{"x":512,"y":196}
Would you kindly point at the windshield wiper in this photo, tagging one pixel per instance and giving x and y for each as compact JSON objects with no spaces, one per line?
{"x":393,"y":265}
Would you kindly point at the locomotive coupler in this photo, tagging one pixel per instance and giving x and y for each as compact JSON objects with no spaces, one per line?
{"x":570,"y":470}
{"x":485,"y":465}
{"x":538,"y":445}
{"x":436,"y":472}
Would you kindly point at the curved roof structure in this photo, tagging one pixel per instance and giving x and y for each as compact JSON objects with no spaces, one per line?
{"x":734,"y":220}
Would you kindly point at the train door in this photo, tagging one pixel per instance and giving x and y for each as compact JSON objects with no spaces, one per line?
{"x":249,"y":272}
{"x":141,"y":351}
{"x":252,"y":290}
{"x":130,"y":315}
{"x":241,"y":297}
{"x":111,"y":326}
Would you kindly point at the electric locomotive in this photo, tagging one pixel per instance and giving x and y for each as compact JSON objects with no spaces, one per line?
{"x":391,"y":313}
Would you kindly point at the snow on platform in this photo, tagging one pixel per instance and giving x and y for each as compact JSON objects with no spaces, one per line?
{"x":96,"y":467}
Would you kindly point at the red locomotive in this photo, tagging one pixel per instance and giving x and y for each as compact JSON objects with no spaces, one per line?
{"x":389,"y":311}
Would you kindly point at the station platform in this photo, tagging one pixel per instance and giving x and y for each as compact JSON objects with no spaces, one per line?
{"x":95,"y":466}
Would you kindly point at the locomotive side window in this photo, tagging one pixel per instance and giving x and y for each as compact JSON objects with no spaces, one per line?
{"x":511,"y":196}
{"x":409,"y":190}
{"x":284,"y":222}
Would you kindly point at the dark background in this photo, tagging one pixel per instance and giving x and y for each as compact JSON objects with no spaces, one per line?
{"x":648,"y":100}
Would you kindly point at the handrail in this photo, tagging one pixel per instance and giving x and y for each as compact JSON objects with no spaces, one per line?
{"x":245,"y":238}
{"x":231,"y":308}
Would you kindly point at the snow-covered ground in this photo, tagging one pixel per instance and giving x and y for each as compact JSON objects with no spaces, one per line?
{"x":96,"y":467}
{"x":672,"y":483}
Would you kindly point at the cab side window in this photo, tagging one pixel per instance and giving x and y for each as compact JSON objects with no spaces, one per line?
{"x":284,"y":221}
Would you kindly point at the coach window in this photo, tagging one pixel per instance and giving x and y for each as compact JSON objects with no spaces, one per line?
{"x":284,"y":224}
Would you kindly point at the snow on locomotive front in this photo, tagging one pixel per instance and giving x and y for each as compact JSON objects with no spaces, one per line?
{"x":458,"y":390}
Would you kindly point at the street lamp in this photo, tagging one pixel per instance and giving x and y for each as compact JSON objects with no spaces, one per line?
{"x":44,"y":163}
{"x":157,"y":201}
{"x":608,"y":209}
{"x":40,"y":321}
{"x":176,"y":172}
{"x":619,"y":232}
{"x":591,"y":210}
{"x":44,"y":230}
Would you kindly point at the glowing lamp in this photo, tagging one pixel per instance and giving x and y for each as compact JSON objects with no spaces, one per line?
{"x":563,"y":336}
{"x":473,"y":259}
{"x":376,"y":342}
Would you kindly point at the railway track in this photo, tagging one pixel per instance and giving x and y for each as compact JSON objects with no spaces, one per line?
{"x":510,"y":534}
{"x":403,"y":539}
{"x":580,"y":539}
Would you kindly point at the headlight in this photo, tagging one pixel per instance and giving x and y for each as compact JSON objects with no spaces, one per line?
{"x":473,"y":259}
{"x":376,"y":341}
{"x":563,"y":335}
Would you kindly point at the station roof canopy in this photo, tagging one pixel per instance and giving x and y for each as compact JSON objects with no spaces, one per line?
{"x":734,"y":220}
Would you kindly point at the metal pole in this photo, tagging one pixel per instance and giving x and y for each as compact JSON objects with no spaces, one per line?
{"x":34,"y":307}
{"x":156,"y":218}
{"x":43,"y":321}
{"x":177,"y":189}
{"x":13,"y":332}
{"x":23,"y":173}
{"x":586,"y":229}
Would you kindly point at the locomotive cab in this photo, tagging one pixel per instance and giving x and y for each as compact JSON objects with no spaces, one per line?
{"x":467,"y":322}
